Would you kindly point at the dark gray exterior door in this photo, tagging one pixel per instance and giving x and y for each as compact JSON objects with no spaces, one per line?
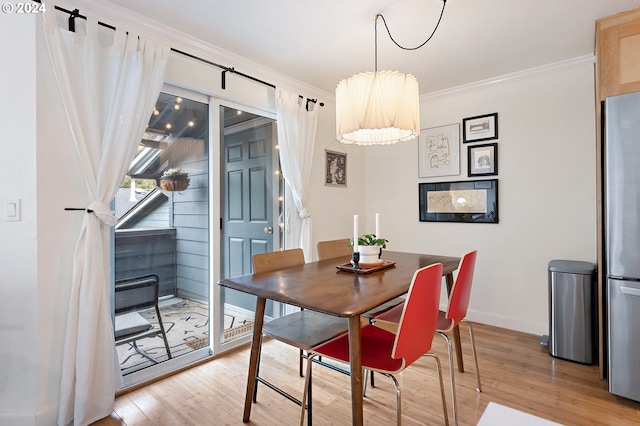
{"x":247,"y":225}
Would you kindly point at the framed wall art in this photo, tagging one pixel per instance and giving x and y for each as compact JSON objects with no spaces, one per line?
{"x":472,"y":201}
{"x":482,"y":160}
{"x":439,"y":151}
{"x":335,"y":168}
{"x":480,"y":128}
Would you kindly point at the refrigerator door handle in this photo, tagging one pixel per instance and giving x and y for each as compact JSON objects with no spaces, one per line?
{"x":630,"y":291}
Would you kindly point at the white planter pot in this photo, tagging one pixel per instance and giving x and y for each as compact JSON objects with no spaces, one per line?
{"x":369,"y":254}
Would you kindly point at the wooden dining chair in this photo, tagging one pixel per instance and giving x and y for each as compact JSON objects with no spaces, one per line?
{"x":332,"y":249}
{"x":303,"y":329}
{"x":389,"y":353}
{"x":447,"y":320}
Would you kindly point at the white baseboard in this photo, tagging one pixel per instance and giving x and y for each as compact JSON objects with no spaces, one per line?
{"x":45,"y":416}
{"x":523,"y":326}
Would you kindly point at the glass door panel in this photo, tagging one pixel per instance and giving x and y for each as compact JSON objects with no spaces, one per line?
{"x":163,"y":230}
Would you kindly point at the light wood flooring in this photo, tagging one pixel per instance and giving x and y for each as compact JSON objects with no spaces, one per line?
{"x":515,"y":371}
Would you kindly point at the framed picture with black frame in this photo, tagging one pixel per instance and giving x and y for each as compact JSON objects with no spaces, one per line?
{"x":480,"y":128}
{"x":471,"y":201}
{"x":335,"y":169}
{"x":482,"y":160}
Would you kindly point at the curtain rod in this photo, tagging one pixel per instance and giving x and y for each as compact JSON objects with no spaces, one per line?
{"x":73,"y":14}
{"x":233,"y":70}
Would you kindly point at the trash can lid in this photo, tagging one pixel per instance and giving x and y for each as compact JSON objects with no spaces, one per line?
{"x":572,"y":266}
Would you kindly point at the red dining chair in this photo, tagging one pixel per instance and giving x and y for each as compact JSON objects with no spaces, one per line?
{"x":455,"y":314}
{"x":388,"y":353}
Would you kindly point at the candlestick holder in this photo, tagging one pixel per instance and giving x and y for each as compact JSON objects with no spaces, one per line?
{"x":355,"y":260}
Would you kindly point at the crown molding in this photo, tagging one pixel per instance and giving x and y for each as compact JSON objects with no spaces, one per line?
{"x":519,"y":75}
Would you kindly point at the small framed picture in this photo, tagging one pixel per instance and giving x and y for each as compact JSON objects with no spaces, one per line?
{"x":483,"y":160}
{"x":480,"y":128}
{"x":439,"y":151}
{"x":335,"y":168}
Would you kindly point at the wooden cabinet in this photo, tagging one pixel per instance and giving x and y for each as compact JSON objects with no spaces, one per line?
{"x":618,"y":54}
{"x":617,"y":72}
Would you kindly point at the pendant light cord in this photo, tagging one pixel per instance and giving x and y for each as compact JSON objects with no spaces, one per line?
{"x":379,"y":15}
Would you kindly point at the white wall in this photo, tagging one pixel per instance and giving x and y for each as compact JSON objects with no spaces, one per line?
{"x":41,"y":169}
{"x":332,"y":208}
{"x":547,"y":184}
{"x":18,"y":281}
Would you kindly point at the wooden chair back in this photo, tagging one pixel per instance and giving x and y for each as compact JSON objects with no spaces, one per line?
{"x":334,"y":248}
{"x":274,"y":260}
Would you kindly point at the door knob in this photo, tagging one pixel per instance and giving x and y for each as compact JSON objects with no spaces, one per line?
{"x":268,"y":230}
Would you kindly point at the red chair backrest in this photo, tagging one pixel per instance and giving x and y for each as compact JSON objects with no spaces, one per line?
{"x":420,"y":315}
{"x":461,"y":292}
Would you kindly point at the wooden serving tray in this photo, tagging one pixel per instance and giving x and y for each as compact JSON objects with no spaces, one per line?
{"x":347,"y":267}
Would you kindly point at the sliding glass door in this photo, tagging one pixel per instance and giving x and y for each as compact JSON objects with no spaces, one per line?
{"x":191,"y":230}
{"x":163,"y":231}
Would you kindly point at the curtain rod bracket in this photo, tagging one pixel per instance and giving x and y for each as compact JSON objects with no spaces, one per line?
{"x":315,"y":101}
{"x":75,"y":13}
{"x":224,"y":76}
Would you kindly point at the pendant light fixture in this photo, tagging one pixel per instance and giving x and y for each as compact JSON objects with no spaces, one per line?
{"x":380,"y":107}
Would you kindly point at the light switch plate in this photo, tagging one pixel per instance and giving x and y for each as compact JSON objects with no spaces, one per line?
{"x":12,"y":210}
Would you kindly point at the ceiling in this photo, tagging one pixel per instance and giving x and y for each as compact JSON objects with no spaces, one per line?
{"x":321,"y":42}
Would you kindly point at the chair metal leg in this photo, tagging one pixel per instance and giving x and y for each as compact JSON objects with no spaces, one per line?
{"x":143,"y":353}
{"x":307,"y":391}
{"x":398,"y":399}
{"x":164,"y":335}
{"x":310,"y":398}
{"x":475,"y":355}
{"x":444,"y":399}
{"x":364,"y":385}
{"x":366,"y":375}
{"x":452,"y":378}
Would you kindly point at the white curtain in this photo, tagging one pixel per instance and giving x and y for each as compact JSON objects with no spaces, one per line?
{"x":296,"y":138}
{"x":109,"y":82}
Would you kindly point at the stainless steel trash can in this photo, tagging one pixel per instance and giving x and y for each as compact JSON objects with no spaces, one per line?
{"x":573,"y":311}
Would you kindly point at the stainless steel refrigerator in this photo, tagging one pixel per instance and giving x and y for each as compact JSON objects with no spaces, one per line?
{"x":622,"y":242}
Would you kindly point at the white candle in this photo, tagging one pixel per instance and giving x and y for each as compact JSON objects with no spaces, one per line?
{"x":377,"y":225}
{"x":355,"y":232}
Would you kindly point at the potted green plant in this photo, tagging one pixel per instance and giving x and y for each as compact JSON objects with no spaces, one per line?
{"x":370,"y":247}
{"x":174,"y":179}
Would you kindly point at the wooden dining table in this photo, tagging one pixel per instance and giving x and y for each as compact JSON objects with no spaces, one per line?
{"x":322,"y":287}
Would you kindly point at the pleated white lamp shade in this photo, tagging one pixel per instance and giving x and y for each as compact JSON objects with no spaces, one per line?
{"x":377,"y":108}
